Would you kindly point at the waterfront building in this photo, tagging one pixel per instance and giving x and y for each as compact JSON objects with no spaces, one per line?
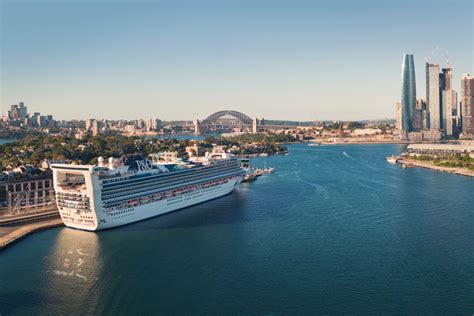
{"x":467,"y":105}
{"x":432,"y":95}
{"x":415,"y":136}
{"x":408,"y":101}
{"x":25,"y":195}
{"x":442,"y":149}
{"x":366,"y":132}
{"x":432,"y":135}
{"x":426,"y":135}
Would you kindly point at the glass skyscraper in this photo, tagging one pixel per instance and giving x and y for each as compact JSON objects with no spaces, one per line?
{"x":408,"y":105}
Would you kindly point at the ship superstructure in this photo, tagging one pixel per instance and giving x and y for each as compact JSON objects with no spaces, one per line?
{"x":122,"y":191}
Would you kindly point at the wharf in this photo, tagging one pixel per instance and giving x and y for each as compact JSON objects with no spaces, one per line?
{"x":11,"y":234}
{"x":14,"y":220}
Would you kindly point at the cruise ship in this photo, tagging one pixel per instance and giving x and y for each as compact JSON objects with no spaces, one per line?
{"x":123,"y":191}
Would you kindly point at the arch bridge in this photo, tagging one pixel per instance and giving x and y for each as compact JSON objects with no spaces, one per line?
{"x":241,"y":118}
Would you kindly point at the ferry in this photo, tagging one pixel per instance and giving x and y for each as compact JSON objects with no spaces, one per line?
{"x":131,"y":189}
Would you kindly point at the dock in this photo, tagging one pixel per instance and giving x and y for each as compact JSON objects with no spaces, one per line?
{"x":15,"y":229}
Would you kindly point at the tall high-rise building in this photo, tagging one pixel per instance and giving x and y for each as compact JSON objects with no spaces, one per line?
{"x":447,"y":102}
{"x":456,"y":111}
{"x":432,"y":95}
{"x":467,"y":104}
{"x":96,"y":127}
{"x":50,"y":121}
{"x":408,"y":102}
{"x":18,"y":111}
{"x":157,"y":124}
{"x":89,"y":124}
{"x":153,"y":124}
{"x":420,"y":115}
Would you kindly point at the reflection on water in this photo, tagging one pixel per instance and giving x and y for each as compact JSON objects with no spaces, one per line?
{"x":336,"y":229}
{"x":76,"y":255}
{"x":74,"y":268}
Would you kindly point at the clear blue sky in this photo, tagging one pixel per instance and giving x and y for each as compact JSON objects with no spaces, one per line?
{"x":297,"y":60}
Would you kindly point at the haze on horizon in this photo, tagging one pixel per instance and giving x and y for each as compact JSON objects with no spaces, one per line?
{"x":289,"y":60}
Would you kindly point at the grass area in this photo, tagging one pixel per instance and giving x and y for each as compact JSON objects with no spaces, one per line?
{"x":457,"y":161}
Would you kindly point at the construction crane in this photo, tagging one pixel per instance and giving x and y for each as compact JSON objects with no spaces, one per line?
{"x":446,"y":54}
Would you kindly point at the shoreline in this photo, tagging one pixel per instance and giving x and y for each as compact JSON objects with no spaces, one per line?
{"x":23,"y":231}
{"x":455,"y":170}
{"x":377,"y":142}
{"x":367,"y":143}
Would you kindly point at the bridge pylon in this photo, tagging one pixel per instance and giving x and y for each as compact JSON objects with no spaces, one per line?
{"x":197,"y":129}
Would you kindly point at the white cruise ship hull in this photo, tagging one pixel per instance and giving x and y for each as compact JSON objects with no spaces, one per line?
{"x":99,"y":218}
{"x":138,"y":213}
{"x":91,"y":198}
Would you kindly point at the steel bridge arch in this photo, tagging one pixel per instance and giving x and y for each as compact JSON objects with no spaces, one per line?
{"x":244,"y":119}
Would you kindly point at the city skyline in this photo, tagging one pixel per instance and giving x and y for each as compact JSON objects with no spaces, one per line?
{"x":186,"y":60}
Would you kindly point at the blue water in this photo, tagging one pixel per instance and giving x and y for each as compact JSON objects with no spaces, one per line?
{"x":186,"y":136}
{"x":6,"y":141}
{"x":334,"y":230}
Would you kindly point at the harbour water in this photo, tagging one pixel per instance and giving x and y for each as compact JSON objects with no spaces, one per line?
{"x":6,"y":141}
{"x":336,"y":229}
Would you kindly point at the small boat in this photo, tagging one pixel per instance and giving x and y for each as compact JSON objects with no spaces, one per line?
{"x":314,"y":144}
{"x":268,"y":170}
{"x":249,"y":178}
{"x":258,"y":172}
{"x":392,"y":159}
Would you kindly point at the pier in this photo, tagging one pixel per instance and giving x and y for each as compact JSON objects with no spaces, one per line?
{"x":15,"y":230}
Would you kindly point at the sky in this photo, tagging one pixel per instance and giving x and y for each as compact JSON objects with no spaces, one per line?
{"x":293,"y":60}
